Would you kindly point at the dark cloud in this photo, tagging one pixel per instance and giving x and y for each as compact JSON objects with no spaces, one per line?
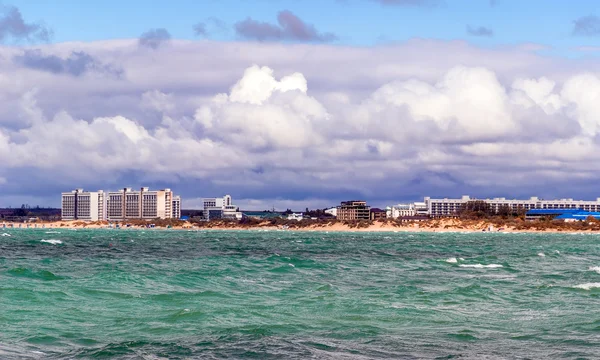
{"x":587,"y":26}
{"x":409,"y":2}
{"x":290,"y":27}
{"x":12,"y":25}
{"x":154,"y":38}
{"x":77,"y":64}
{"x":200,"y":29}
{"x":480,"y":31}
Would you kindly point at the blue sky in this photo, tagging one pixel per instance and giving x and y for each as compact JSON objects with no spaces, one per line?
{"x":356,"y":22}
{"x":298,"y":103}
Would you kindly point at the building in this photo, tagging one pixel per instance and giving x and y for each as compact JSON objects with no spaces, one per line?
{"x":376,"y":214}
{"x":451,"y":207}
{"x":140,"y":204}
{"x":332,"y":211}
{"x":176,"y":208}
{"x":220,"y":208}
{"x":560,"y":214}
{"x":353,"y":210}
{"x":295,"y":216}
{"x":83,"y":205}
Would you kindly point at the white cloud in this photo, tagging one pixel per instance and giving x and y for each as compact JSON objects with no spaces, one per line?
{"x":386,"y":122}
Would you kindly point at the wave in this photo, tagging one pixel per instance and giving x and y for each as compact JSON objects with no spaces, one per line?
{"x":541,"y":254}
{"x":5,"y":234}
{"x":587,"y":286}
{"x":595,"y":268}
{"x":451,"y":260}
{"x":52,"y":232}
{"x":480,"y":266}
{"x":51,"y":241}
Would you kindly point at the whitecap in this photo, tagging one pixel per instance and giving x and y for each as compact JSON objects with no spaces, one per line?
{"x":587,"y":286}
{"x":541,"y":254}
{"x":461,"y":259}
{"x":52,"y":232}
{"x":292,"y":265}
{"x":556,"y":252}
{"x":52,"y":241}
{"x":5,"y":234}
{"x":480,"y":266}
{"x":595,"y":268}
{"x":451,"y":260}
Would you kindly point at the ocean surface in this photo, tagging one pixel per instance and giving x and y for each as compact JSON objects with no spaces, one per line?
{"x":134,"y":294}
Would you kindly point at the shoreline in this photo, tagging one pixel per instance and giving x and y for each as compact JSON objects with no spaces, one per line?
{"x":443,"y":226}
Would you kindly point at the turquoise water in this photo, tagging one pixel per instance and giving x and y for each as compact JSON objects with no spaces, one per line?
{"x":284,"y":295}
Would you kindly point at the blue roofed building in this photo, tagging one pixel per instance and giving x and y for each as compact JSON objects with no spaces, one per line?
{"x":560,"y":214}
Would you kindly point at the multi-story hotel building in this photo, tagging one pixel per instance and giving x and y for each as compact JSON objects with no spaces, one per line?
{"x":176,"y":207}
{"x":83,"y":205}
{"x":139,"y":204}
{"x":451,"y":207}
{"x":353,"y":210}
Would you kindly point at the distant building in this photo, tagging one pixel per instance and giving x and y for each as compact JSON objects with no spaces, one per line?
{"x":176,"y":208}
{"x":332,"y":211}
{"x":377,"y":214}
{"x":220,"y":208}
{"x":451,"y":207}
{"x":353,"y":210}
{"x":294,"y":216}
{"x":83,"y":205}
{"x":140,"y":204}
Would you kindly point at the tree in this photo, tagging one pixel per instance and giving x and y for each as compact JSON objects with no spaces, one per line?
{"x":475,"y":209}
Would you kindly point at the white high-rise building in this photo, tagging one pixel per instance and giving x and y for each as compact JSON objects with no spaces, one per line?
{"x":176,"y":207}
{"x":139,"y":204}
{"x":83,"y":205}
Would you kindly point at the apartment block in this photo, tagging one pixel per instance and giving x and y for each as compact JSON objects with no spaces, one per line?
{"x":83,"y":205}
{"x":451,"y":207}
{"x":140,"y":204}
{"x":220,"y":208}
{"x":353,"y":210}
{"x":176,"y":207}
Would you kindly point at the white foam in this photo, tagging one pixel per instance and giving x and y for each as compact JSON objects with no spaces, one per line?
{"x":451,"y":260}
{"x":52,"y":241}
{"x":292,"y":265}
{"x":556,"y":252}
{"x":5,"y":234}
{"x":480,"y":266}
{"x":541,"y":254}
{"x":587,"y":286}
{"x":52,"y":232}
{"x":595,"y":268}
{"x":461,"y":259}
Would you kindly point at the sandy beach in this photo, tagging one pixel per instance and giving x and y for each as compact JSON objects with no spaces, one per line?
{"x":434,"y":225}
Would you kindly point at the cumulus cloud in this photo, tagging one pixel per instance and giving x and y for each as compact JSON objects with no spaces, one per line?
{"x":391,"y":123}
{"x":587,"y":26}
{"x":78,"y":63}
{"x":154,"y":38}
{"x":200,"y":29}
{"x":12,"y":25}
{"x":480,"y":31}
{"x":290,"y":27}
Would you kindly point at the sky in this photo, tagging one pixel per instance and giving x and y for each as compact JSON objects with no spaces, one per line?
{"x":294,"y":104}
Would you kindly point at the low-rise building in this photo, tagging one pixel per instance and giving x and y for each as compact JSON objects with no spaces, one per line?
{"x":377,"y":213}
{"x":83,"y":205}
{"x":353,"y":210}
{"x":295,"y":216}
{"x":451,"y":207}
{"x":220,"y":208}
{"x":332,"y":211}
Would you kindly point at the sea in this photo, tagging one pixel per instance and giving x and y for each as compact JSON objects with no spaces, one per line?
{"x":169,"y":294}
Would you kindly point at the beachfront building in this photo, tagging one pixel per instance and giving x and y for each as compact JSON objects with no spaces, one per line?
{"x":295,"y":216}
{"x":377,"y":213}
{"x":83,"y":205}
{"x":332,"y":211}
{"x":220,"y":208}
{"x":353,"y":210}
{"x":176,"y":207}
{"x":451,"y":207}
{"x":140,"y":204}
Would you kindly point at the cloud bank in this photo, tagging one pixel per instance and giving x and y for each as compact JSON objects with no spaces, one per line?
{"x":293,"y":125}
{"x":289,"y":27}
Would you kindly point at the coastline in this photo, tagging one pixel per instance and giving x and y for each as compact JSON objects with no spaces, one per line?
{"x":432,"y":226}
